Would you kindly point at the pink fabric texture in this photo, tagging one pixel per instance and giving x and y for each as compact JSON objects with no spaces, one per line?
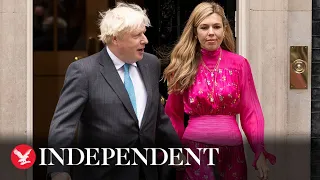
{"x":213,"y":101}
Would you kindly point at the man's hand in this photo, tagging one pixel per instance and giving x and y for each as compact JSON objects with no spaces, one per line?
{"x":262,"y":167}
{"x":60,"y":176}
{"x":178,"y":161}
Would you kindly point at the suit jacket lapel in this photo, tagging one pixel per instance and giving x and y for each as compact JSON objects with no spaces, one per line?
{"x":144,"y":70}
{"x":111,"y":75}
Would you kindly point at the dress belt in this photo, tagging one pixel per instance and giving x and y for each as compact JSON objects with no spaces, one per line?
{"x":221,"y":130}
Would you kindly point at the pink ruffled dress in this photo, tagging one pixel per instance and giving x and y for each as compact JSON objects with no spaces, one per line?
{"x":212,"y":103}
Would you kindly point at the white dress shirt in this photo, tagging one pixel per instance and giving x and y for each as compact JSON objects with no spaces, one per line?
{"x":139,"y":88}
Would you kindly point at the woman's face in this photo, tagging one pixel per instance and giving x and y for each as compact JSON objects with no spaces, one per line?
{"x":210,"y":32}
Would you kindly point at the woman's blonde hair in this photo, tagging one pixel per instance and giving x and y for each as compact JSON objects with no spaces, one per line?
{"x":184,"y":58}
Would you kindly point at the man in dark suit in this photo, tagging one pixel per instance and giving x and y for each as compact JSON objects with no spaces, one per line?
{"x":111,"y":99}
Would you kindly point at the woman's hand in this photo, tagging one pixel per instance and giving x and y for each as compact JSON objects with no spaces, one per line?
{"x":262,"y":167}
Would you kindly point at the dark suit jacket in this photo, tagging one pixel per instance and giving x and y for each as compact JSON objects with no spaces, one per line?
{"x":95,"y":104}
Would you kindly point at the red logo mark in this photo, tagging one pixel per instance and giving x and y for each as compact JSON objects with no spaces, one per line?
{"x":23,"y":156}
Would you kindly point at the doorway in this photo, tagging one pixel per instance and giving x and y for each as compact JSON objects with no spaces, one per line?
{"x":63,"y":31}
{"x":66,"y":30}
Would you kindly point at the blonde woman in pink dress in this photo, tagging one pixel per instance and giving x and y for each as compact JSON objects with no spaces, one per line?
{"x":212,"y":84}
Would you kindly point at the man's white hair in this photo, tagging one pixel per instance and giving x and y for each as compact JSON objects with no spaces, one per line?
{"x":124,"y":17}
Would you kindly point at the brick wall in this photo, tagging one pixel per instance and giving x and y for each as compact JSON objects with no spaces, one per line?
{"x":315,"y":92}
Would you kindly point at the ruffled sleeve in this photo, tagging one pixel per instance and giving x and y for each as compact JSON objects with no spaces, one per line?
{"x":251,"y":116}
{"x":175,"y":110}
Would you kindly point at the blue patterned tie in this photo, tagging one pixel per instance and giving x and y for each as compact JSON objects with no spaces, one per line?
{"x":129,"y":86}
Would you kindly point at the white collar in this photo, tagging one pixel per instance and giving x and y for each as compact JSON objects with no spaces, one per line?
{"x":116,"y":61}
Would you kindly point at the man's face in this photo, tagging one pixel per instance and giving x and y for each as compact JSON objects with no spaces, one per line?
{"x":131,"y":45}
